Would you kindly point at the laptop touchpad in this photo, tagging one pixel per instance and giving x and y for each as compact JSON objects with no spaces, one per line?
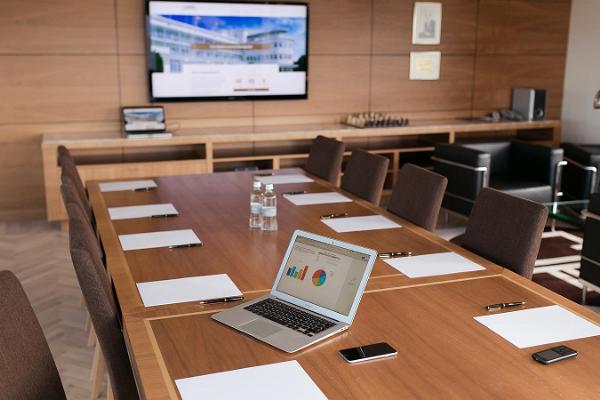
{"x":260,"y":328}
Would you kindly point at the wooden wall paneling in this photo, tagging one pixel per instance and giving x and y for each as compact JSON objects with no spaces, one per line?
{"x":391,"y":89}
{"x":392,"y":27}
{"x":134,"y":91}
{"x":337,"y":84}
{"x":58,"y":89}
{"x":496,"y":75}
{"x":57,"y":27}
{"x":340,"y":27}
{"x":529,"y":27}
{"x":130,"y":26}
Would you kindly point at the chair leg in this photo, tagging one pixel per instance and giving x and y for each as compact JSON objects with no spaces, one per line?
{"x":583,"y":294}
{"x":91,"y":337}
{"x":109,"y":391}
{"x":98,"y":371}
{"x":88,"y":323}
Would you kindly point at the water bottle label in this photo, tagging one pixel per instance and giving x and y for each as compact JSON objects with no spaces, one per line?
{"x":255,"y":208}
{"x":269,"y":211}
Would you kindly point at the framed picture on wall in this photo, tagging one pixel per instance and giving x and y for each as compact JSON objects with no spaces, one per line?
{"x":425,"y":65}
{"x":427,"y":23}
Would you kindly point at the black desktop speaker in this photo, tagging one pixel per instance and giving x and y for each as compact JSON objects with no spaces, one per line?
{"x":531,"y":103}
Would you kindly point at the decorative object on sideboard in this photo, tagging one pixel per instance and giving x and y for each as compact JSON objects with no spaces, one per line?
{"x":425,"y":65}
{"x":597,"y":101}
{"x":427,"y":23}
{"x":529,"y":102}
{"x":374,"y":120}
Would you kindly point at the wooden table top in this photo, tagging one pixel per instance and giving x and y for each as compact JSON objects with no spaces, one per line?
{"x":442,"y":351}
{"x":216,"y":207}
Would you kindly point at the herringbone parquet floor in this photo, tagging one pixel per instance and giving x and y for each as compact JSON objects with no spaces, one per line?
{"x":37,"y":252}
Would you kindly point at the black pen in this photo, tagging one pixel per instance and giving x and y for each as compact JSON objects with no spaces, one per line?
{"x":164,"y":215}
{"x":395,"y":254}
{"x":181,"y":246}
{"x":265,"y":174}
{"x":144,"y":189}
{"x":222,"y":300}
{"x":331,"y":216}
{"x":294,"y":193}
{"x":500,"y":306}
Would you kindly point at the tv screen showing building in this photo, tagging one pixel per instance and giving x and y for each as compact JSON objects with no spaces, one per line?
{"x":210,"y":51}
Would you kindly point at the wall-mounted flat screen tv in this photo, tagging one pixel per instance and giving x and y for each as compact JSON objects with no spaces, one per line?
{"x":201,"y":50}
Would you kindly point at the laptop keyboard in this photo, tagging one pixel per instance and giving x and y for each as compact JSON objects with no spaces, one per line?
{"x":291,"y":317}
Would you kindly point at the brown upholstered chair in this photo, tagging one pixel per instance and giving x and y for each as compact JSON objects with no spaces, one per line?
{"x":506,"y":230}
{"x":417,"y":196}
{"x":325,"y":158}
{"x":364,"y":175}
{"x":69,"y":172}
{"x":70,"y":192}
{"x":27,"y":369}
{"x":101,"y":305}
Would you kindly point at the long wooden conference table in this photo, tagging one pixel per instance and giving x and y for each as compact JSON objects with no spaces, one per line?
{"x":442,"y":351}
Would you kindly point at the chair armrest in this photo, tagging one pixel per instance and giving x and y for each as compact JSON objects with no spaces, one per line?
{"x":466,"y":169}
{"x":462,"y":155}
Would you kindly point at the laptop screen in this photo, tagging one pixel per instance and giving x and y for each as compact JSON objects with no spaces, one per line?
{"x":323,"y":274}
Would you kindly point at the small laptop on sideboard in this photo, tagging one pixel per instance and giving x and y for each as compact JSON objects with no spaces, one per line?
{"x":315,"y":295}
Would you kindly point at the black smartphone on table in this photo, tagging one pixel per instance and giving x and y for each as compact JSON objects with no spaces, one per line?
{"x":554,"y":354}
{"x":369,"y":352}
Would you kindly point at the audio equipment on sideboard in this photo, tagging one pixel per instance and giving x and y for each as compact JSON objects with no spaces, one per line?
{"x":531,"y":103}
{"x":374,"y":120}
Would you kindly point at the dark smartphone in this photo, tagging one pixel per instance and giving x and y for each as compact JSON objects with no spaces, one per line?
{"x":369,"y":352}
{"x":554,"y":354}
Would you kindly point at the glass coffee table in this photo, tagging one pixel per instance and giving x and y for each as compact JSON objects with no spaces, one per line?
{"x":569,"y":211}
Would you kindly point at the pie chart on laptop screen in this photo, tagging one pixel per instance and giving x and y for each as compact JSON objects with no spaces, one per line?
{"x":319,"y":277}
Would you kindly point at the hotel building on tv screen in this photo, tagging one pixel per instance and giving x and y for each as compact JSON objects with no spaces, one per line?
{"x":227,"y":49}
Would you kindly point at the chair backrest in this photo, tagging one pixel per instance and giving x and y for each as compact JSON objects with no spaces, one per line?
{"x":325,"y":158}
{"x":506,"y":230}
{"x":101,"y":306}
{"x":500,"y":155}
{"x":417,"y":196}
{"x":27,"y":369}
{"x":70,"y":193}
{"x":69,"y":172}
{"x":364,"y":175}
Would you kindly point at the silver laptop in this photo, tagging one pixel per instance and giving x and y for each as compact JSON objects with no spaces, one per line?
{"x":315,"y":295}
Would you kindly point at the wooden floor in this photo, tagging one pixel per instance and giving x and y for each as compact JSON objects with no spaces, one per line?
{"x":37,"y":252}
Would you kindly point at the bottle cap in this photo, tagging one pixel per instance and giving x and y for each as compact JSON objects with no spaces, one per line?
{"x":269,"y":186}
{"x":256,"y":185}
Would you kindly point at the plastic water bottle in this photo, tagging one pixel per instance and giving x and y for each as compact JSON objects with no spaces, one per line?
{"x":256,"y":205}
{"x":269,"y":209}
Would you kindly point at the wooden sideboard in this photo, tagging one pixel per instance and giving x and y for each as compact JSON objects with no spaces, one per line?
{"x":110,"y":156}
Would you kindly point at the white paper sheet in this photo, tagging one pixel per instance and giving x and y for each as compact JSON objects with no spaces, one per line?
{"x":286,"y":380}
{"x":126,"y":185}
{"x":180,"y":290}
{"x":148,"y":210}
{"x":433,"y":264}
{"x":538,"y":326}
{"x":355,"y":224}
{"x":280,"y":179}
{"x":317,"y":198}
{"x":152,"y":240}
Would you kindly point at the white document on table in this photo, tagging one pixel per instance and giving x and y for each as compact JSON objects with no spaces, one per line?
{"x":356,"y":224}
{"x":196,"y":288}
{"x":148,"y":210}
{"x":280,"y":179}
{"x":538,"y":326}
{"x":433,"y":265}
{"x":317,"y":198}
{"x":152,"y":240}
{"x":285,"y":380}
{"x":127,"y":185}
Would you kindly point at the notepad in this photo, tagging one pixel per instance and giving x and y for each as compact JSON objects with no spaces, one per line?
{"x":356,"y":224}
{"x":286,"y":380}
{"x":126,"y":185}
{"x":152,"y":240}
{"x":317,"y":198}
{"x":280,"y":179}
{"x":197,"y":288}
{"x":149,"y":210}
{"x":538,"y":326}
{"x":433,"y":265}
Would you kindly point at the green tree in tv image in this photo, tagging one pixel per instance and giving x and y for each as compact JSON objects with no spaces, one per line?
{"x":301,"y":64}
{"x":156,"y":62}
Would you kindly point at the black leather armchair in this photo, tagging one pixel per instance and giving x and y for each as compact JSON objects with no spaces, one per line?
{"x":580,"y":175}
{"x":521,"y":169}
{"x":589,"y":271}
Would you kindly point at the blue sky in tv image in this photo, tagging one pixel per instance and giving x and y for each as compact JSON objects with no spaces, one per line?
{"x":195,"y":39}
